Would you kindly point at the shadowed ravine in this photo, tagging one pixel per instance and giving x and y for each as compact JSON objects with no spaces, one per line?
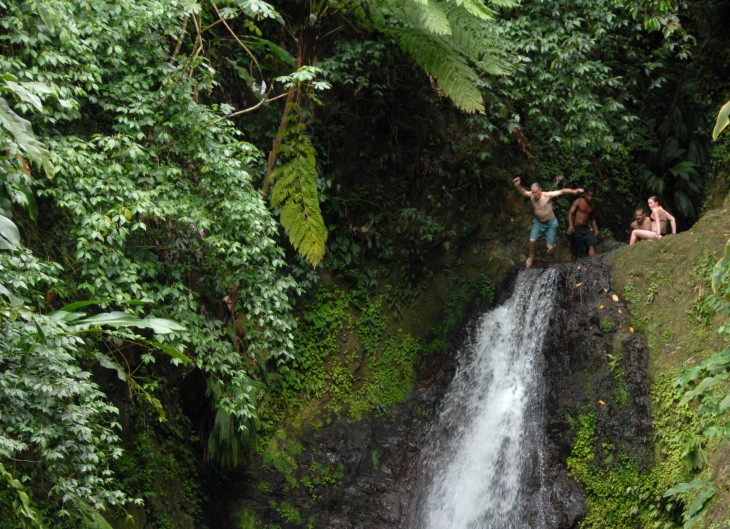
{"x":485,"y":453}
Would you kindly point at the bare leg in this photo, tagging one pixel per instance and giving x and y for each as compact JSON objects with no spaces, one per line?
{"x":591,"y":251}
{"x":638,"y":235}
{"x":528,"y":263}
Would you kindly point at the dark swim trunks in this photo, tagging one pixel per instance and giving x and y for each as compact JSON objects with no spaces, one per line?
{"x":581,"y":239}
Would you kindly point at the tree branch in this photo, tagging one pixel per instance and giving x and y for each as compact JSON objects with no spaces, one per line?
{"x":233,"y":34}
{"x":246,"y":110}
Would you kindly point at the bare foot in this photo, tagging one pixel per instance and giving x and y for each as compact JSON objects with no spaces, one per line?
{"x":528,"y":263}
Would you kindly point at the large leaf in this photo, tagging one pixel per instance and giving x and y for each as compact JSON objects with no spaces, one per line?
{"x":123,"y":319}
{"x":22,"y":132}
{"x":450,"y":70}
{"x":698,"y":507}
{"x":723,"y":117}
{"x":685,"y":487}
{"x":479,"y":9}
{"x":295,"y":191}
{"x":9,"y":235}
{"x":432,"y":17}
{"x":79,"y":304}
{"x":112,"y":319}
{"x":168,"y":350}
{"x":160,"y":325}
{"x":276,"y":50}
{"x":22,"y":91}
{"x":479,"y":41}
{"x":14,"y":301}
{"x":702,"y":387}
{"x":96,"y":521}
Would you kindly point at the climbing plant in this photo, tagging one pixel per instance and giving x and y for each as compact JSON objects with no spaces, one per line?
{"x":152,"y":199}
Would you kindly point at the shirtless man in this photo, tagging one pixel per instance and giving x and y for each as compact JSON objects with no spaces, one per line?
{"x":641,"y":221}
{"x":544,"y":224}
{"x":581,"y":218}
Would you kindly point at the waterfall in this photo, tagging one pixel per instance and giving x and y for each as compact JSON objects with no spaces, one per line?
{"x":483,"y":462}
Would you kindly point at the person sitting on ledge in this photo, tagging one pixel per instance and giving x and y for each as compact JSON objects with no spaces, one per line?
{"x":659,"y":219}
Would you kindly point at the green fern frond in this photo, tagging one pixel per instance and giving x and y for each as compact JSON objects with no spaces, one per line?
{"x":428,"y":15}
{"x":477,"y":8}
{"x":448,"y":68}
{"x":472,"y":43}
{"x":505,"y":4}
{"x":295,"y":191}
{"x":479,"y":41}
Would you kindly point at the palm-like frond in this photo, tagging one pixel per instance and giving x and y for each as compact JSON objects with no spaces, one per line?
{"x":449,"y":68}
{"x":477,"y":8}
{"x":478,"y":40}
{"x":428,"y":15}
{"x":450,"y":40}
{"x":295,"y":191}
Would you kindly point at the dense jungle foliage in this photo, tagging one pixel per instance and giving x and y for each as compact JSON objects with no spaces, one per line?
{"x":196,"y":196}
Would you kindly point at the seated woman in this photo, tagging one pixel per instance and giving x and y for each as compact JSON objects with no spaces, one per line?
{"x":659,"y":218}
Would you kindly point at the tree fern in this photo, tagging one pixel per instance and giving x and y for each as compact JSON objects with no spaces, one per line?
{"x":449,"y":68}
{"x":478,"y":40}
{"x":429,"y":16}
{"x":478,"y":9}
{"x":453,"y":41}
{"x":295,"y":191}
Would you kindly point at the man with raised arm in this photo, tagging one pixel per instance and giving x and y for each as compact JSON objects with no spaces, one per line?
{"x":544,"y":224}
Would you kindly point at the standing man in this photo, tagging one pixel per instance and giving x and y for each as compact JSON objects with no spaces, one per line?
{"x":544,"y":224}
{"x":582,"y":226}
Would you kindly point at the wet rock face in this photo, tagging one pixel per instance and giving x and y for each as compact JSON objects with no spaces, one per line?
{"x":589,"y":343}
{"x":595,"y":362}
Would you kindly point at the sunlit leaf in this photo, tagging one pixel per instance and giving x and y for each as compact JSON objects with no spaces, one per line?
{"x":9,"y":235}
{"x":722,"y":120}
{"x":685,"y":487}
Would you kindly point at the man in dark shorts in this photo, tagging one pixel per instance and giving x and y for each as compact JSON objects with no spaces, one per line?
{"x":582,"y":226}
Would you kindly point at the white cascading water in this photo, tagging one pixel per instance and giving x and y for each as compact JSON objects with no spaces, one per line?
{"x":484,"y":458}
